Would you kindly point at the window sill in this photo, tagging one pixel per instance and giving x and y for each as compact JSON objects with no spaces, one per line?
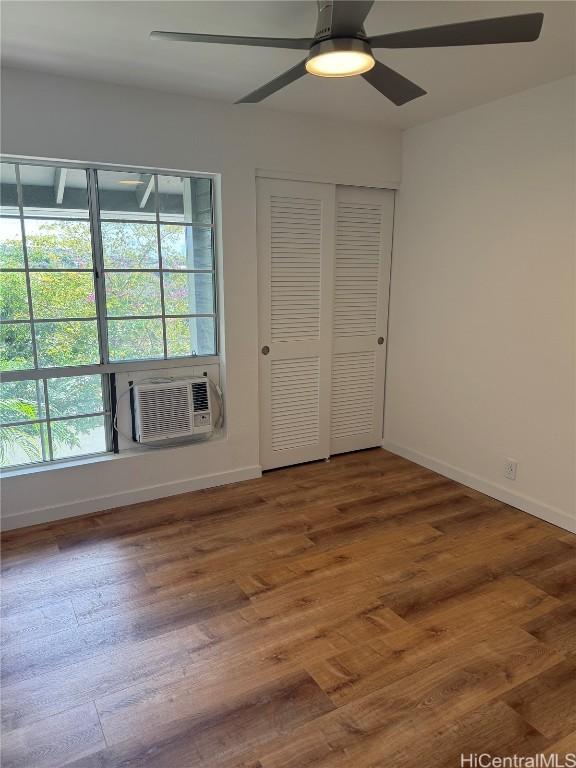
{"x":103,"y":458}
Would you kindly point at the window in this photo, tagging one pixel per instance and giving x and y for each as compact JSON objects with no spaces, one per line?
{"x":100,"y":269}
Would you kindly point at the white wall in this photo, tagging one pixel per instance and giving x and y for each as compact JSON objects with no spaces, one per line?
{"x":482,"y":328}
{"x":56,"y":117}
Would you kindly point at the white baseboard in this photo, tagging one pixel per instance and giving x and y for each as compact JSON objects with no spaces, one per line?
{"x":525,"y":503}
{"x":148,"y":493}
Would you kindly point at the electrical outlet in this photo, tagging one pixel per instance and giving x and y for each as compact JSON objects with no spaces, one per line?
{"x":510,"y":469}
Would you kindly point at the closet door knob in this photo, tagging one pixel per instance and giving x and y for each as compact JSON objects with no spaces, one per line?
{"x":380,"y":339}
{"x":265,"y":350}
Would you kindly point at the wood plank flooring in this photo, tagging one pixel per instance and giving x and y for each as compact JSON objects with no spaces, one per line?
{"x":360,"y":613}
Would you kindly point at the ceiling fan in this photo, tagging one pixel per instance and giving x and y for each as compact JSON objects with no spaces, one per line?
{"x":341,"y":48}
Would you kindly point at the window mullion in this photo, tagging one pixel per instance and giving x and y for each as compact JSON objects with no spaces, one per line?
{"x":38,"y":386}
{"x":100,"y":292}
{"x":214,"y":272}
{"x":98,"y":264}
{"x":26,"y":265}
{"x":106,"y":385}
{"x":40,"y":397}
{"x":48,"y":426}
{"x":158,"y":239}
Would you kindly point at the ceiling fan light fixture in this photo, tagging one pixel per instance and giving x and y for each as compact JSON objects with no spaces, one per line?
{"x":340,"y":47}
{"x":340,"y":57}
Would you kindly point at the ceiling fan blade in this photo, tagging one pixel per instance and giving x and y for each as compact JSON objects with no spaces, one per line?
{"x":523,"y":28}
{"x":391,"y":84}
{"x":346,"y":17}
{"x":275,"y":85}
{"x":302,"y":43}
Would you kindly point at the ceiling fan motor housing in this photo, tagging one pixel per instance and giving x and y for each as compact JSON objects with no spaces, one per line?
{"x":334,"y":25}
{"x":333,"y":44}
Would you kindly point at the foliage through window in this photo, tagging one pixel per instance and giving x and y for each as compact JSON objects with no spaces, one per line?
{"x":98,"y":268}
{"x":46,"y":419}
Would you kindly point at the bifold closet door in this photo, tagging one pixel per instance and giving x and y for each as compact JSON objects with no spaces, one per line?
{"x":296,"y":255}
{"x":364,"y":221}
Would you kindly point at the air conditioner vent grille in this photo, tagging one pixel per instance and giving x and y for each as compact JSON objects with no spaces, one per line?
{"x":163,"y":412}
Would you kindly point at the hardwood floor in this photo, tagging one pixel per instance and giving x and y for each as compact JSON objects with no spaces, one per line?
{"x":362,"y":613}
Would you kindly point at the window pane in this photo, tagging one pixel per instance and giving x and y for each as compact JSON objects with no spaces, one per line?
{"x":16,"y":348}
{"x":130,"y":245}
{"x":185,"y":199}
{"x":67,"y":343}
{"x":126,"y":195}
{"x":78,"y":437}
{"x":11,"y":251}
{"x":75,"y":395}
{"x":188,"y":293}
{"x":58,"y":244}
{"x":21,"y":444}
{"x":21,"y":401}
{"x":190,"y":336}
{"x":62,"y":294}
{"x":62,"y":190}
{"x":133,"y":293}
{"x":13,"y":296}
{"x":8,"y":189}
{"x":186,"y":247}
{"x":135,"y":339}
{"x":181,"y":337}
{"x":206,"y":335}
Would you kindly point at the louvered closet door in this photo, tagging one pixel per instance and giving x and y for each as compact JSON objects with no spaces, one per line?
{"x":364,"y":220}
{"x":296,"y":250}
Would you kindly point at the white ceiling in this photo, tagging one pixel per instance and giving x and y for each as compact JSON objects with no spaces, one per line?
{"x":109,"y":41}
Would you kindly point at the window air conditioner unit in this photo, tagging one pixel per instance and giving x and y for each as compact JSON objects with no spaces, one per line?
{"x":167,"y":409}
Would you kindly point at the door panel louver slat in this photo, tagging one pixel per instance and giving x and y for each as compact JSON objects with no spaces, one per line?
{"x":295,"y":269}
{"x":352,"y":393}
{"x":357,"y":270}
{"x":295,"y":384}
